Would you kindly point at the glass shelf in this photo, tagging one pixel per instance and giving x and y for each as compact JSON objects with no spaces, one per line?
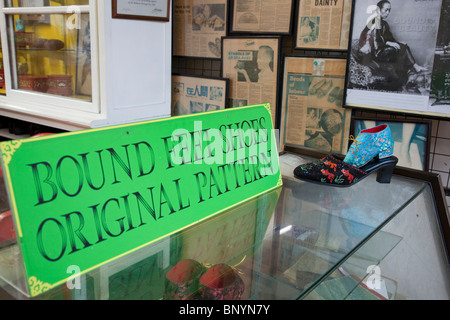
{"x":300,"y":241}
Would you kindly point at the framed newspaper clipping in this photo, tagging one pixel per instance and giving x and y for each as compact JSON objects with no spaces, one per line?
{"x":252,"y":66}
{"x":398,"y":57}
{"x":193,"y":94}
{"x":258,"y":16}
{"x":312,"y":115}
{"x":323,"y":24}
{"x":198,"y":26}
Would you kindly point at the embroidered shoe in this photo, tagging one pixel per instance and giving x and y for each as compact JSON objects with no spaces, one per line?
{"x":369,"y":143}
{"x":182,"y":281}
{"x":333,"y":171}
{"x":221,"y":282}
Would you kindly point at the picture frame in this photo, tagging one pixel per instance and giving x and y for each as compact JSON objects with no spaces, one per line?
{"x":253,"y":80}
{"x":323,"y":24}
{"x":312,"y":112}
{"x":154,"y":10}
{"x":261,"y":17}
{"x":403,"y":75}
{"x":198,"y":27}
{"x":411,"y":139}
{"x":193,"y":94}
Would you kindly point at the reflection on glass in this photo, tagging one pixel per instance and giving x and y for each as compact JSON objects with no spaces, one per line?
{"x":45,"y":3}
{"x":52,"y":54}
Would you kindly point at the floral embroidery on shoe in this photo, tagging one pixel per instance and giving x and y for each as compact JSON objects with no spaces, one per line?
{"x":329,"y":170}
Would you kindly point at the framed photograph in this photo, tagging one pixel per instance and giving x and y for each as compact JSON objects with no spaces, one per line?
{"x":192,"y":94}
{"x":198,"y":26}
{"x":323,"y":24}
{"x":312,"y":115}
{"x":411,"y":140}
{"x":252,"y":66}
{"x":393,"y":54}
{"x":158,"y":10}
{"x":268,"y":17}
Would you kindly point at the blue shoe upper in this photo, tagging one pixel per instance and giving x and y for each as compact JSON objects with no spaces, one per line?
{"x":369,"y":143}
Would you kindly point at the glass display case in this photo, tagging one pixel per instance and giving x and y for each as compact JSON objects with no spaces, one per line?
{"x":300,"y":241}
{"x":63,"y":61}
{"x":50,"y":51}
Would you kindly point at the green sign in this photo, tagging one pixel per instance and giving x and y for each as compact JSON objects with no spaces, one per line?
{"x":86,"y":198}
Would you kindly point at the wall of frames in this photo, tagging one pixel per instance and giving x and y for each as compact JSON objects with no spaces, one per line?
{"x":317,"y":35}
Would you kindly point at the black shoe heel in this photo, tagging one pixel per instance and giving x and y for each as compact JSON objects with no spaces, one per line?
{"x":384,"y":174}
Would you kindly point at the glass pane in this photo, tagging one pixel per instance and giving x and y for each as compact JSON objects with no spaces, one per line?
{"x":44,"y":3}
{"x":52,"y":53}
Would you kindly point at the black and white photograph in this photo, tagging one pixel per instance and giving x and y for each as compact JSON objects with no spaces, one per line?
{"x":260,"y":68}
{"x":208,"y":17}
{"x":309,"y":29}
{"x":391,"y":54}
{"x":411,"y":140}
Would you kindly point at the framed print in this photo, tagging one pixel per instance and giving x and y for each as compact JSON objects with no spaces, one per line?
{"x":198,"y":27}
{"x":393,"y":57}
{"x":252,"y":66}
{"x":312,"y":114}
{"x":158,"y":10}
{"x":411,"y":140}
{"x":323,"y":24}
{"x":268,"y":17}
{"x":192,"y":94}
